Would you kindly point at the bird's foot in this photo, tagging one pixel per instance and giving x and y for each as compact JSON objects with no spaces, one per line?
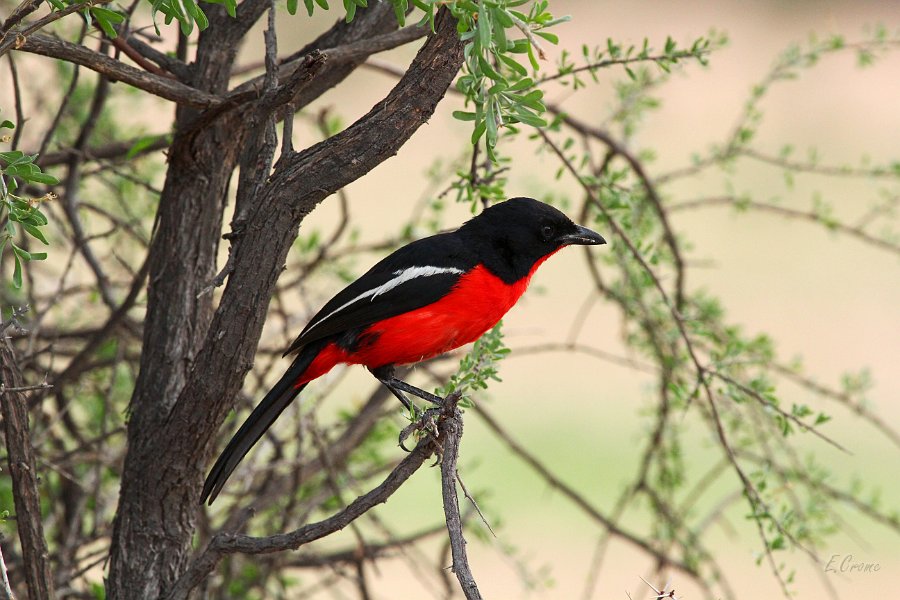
{"x":426,"y":423}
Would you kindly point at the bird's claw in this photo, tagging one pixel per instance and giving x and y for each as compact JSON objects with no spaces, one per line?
{"x":426,"y":422}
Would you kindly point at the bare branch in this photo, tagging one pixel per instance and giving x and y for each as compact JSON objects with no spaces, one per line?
{"x":227,"y":543}
{"x":790,"y":213}
{"x":451,"y":429}
{"x":114,"y":70}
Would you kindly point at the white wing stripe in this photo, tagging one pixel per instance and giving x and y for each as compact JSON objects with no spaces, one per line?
{"x":401,"y":277}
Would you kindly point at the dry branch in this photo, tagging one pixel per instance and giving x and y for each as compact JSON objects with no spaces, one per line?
{"x":23,"y":472}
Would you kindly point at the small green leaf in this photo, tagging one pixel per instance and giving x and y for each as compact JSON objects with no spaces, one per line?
{"x":35,"y":232}
{"x":7,"y":124}
{"x":350,"y":7}
{"x":530,"y":119}
{"x":107,"y":19}
{"x":21,"y":252}
{"x":38,"y":177}
{"x":478,"y":131}
{"x":17,"y":272}
{"x":513,"y":64}
{"x":550,"y":37}
{"x":488,"y":69}
{"x":461,"y":115}
{"x":484,"y":26}
{"x":503,"y":17}
{"x":532,"y":59}
{"x":400,"y":8}
{"x":36,"y":217}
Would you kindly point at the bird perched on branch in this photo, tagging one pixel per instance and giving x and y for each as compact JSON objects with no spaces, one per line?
{"x":426,"y":298}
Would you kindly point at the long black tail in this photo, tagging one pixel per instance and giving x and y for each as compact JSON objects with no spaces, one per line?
{"x":272,"y":405}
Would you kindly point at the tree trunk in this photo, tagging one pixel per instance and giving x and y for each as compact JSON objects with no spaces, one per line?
{"x":193,"y":362}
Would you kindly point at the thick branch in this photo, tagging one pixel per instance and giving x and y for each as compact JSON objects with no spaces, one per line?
{"x":347,"y":54}
{"x":164,"y":87}
{"x":299,"y":183}
{"x":23,"y":472}
{"x":191,"y":372}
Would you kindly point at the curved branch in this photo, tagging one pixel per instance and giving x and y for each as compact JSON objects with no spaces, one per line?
{"x":164,"y":87}
{"x":789,"y":213}
{"x":228,"y":543}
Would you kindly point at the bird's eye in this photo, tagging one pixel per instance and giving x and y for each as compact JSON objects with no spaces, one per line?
{"x":547,"y":232}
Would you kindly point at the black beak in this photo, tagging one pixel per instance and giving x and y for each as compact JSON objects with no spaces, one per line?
{"x":582,"y":237}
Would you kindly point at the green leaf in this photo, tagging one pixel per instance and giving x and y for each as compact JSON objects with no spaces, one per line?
{"x":503,"y":17}
{"x":490,"y":119}
{"x":36,"y":217}
{"x":38,"y":177}
{"x":107,"y":19}
{"x":350,"y":7}
{"x":550,"y":37}
{"x":140,"y":144}
{"x":35,"y":232}
{"x":400,"y":8}
{"x":7,"y":124}
{"x":12,"y":157}
{"x":497,"y":88}
{"x":532,"y":59}
{"x":21,"y":252}
{"x":488,"y":69}
{"x":461,"y":115}
{"x":484,"y":26}
{"x":478,"y":131}
{"x":513,"y":64}
{"x":38,"y":256}
{"x":530,"y":119}
{"x":196,"y":13}
{"x":17,"y":272}
{"x":522,"y":84}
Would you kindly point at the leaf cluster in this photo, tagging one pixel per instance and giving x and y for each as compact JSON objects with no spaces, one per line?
{"x":18,"y":213}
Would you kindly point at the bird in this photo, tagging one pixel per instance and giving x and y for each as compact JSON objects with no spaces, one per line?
{"x":426,"y":298}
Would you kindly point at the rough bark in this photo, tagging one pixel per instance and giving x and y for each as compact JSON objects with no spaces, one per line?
{"x":23,"y":472}
{"x":191,"y":369}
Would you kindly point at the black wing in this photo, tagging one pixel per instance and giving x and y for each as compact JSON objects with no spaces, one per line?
{"x":413,"y":276}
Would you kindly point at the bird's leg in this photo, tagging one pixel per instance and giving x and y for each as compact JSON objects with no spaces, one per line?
{"x":385,"y":375}
{"x":418,"y":392}
{"x":422,"y":420}
{"x":400,"y":395}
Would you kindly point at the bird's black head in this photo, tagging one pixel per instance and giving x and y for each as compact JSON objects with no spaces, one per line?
{"x":513,"y":236}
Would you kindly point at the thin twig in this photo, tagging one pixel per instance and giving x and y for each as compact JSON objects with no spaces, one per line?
{"x":451,"y":429}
